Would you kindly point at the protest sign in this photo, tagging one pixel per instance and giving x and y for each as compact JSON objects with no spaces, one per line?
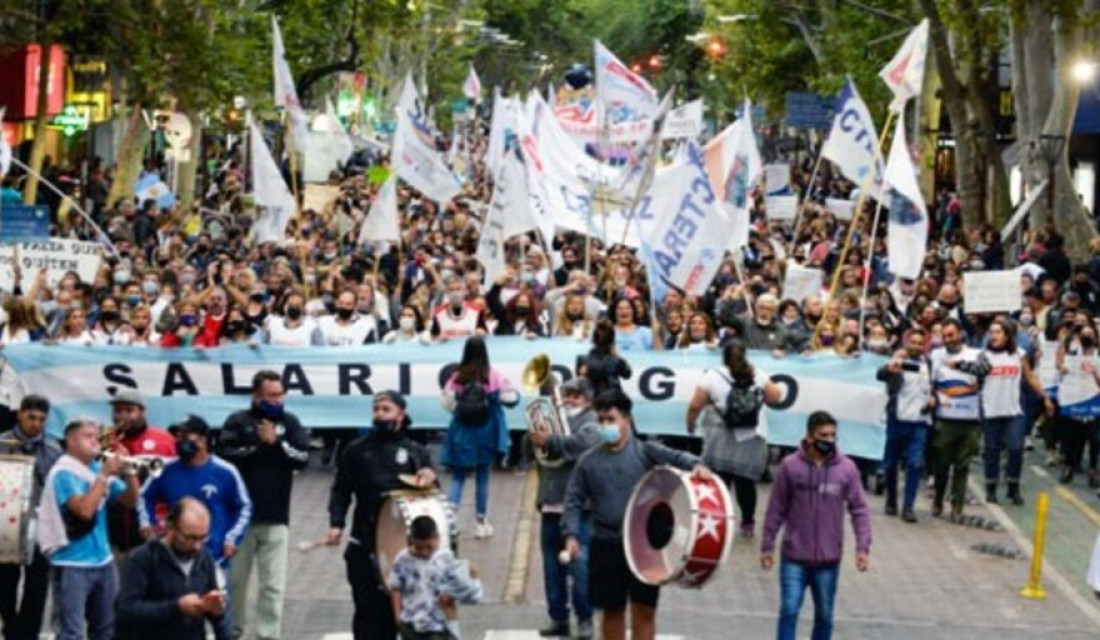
{"x":992,"y":291}
{"x":777,"y":177}
{"x":57,"y":255}
{"x":332,"y":386}
{"x":842,"y":209}
{"x":781,"y":207}
{"x":801,"y":282}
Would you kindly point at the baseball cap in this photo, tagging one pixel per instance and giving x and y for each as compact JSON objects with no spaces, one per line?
{"x":191,"y":424}
{"x":128,"y":396}
{"x":578,"y":386}
{"x":391,"y":396}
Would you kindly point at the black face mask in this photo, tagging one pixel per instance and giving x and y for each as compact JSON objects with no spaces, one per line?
{"x":294,"y":312}
{"x":108,"y":316}
{"x":522,"y":312}
{"x":1088,"y":342}
{"x":387,"y":427}
{"x":345,"y":314}
{"x":825,"y":447}
{"x":186,"y":450}
{"x":235,"y":326}
{"x":256,"y":297}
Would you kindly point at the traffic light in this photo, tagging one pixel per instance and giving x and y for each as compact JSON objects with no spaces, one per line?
{"x":716,"y":49}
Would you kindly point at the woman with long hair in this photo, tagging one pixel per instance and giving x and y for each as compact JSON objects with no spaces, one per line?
{"x":699,"y":333}
{"x":24,"y":323}
{"x":602,"y":366}
{"x":629,"y":335}
{"x":572,"y":321}
{"x":476,"y":394}
{"x":735,"y":442}
{"x":74,"y":329}
{"x":410,"y":328}
{"x":110,"y":328}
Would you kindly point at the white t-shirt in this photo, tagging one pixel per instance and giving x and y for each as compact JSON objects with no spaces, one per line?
{"x":355,"y":332}
{"x":280,"y":335}
{"x":1001,"y":387}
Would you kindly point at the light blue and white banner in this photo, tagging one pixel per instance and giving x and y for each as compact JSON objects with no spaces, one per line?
{"x":331,"y":387}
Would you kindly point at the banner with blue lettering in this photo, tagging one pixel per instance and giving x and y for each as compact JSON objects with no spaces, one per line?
{"x":331,"y":387}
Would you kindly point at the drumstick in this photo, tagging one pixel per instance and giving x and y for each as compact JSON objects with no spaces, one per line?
{"x":309,"y":545}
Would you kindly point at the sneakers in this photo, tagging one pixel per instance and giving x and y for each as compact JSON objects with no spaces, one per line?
{"x":748,"y":530}
{"x":891,"y":509}
{"x":908,"y":516}
{"x":584,"y":630}
{"x":484,"y":530}
{"x":556,"y":630}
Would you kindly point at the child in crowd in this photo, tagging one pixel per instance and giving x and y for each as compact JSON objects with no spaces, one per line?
{"x":427,"y":582}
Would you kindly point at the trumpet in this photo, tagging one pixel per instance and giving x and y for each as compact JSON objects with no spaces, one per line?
{"x":152,"y":467}
{"x":109,"y":436}
{"x":544,"y":414}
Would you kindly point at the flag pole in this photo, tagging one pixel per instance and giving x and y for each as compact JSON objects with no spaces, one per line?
{"x":297,"y":207}
{"x":802,"y":205}
{"x":867,"y":267}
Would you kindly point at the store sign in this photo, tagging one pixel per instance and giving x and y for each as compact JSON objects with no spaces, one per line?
{"x":70,"y":121}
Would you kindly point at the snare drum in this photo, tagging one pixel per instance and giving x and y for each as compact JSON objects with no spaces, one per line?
{"x":16,"y":525}
{"x":678,"y":528}
{"x":394,"y":521}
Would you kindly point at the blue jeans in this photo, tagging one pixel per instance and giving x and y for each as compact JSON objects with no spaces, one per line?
{"x":904,"y":441}
{"x":556,"y":575}
{"x":84,"y":596}
{"x":1007,"y":433}
{"x":481,"y":498}
{"x":794,"y":577}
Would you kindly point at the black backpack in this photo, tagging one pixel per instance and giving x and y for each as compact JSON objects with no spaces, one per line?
{"x":743,"y":404}
{"x":472,"y":403}
{"x":598,"y":366}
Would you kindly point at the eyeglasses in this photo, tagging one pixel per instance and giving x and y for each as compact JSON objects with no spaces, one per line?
{"x":194,"y":539}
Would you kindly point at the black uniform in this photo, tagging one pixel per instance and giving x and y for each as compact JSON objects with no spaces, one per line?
{"x":368,"y":470}
{"x":23,"y":619}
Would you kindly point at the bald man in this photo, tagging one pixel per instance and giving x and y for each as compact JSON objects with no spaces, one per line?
{"x":171,"y":588}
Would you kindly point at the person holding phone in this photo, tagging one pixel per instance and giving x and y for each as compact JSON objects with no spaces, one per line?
{"x":170,"y":590}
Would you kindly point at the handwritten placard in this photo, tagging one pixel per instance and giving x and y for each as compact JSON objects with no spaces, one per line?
{"x":992,"y":291}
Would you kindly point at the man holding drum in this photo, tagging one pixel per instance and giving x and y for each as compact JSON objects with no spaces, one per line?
{"x":23,"y":619}
{"x":605,"y":477}
{"x":369,"y":469}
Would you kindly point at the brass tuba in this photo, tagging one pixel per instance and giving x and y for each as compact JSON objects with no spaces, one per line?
{"x":544,"y":414}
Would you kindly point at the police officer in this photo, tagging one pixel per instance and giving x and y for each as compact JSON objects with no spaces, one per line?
{"x":22,"y":619}
{"x":368,"y":470}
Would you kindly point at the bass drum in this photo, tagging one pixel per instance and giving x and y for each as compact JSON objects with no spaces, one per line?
{"x":678,"y":528}
{"x":396,"y":518}
{"x":17,"y":534}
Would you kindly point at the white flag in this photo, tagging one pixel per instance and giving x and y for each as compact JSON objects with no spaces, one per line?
{"x":511,"y":204}
{"x":383,"y":223}
{"x":853,"y":143}
{"x":419,"y":164}
{"x":687,"y":243}
{"x":907,"y":237}
{"x":904,"y":74}
{"x":286,"y":95}
{"x":621,"y":93}
{"x":501,"y":127}
{"x":472,"y":86}
{"x":734,"y":166}
{"x":269,"y":190}
{"x":490,"y":247}
{"x":5,"y":148}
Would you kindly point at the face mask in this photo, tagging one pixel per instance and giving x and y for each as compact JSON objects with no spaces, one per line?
{"x":576,"y":317}
{"x":936,"y":343}
{"x":456,"y":298}
{"x":188,"y":320}
{"x":523,"y":312}
{"x":187,"y":278}
{"x":828,"y":340}
{"x":824,"y":447}
{"x":345,"y":314}
{"x":270,"y":409}
{"x":150,"y":288}
{"x":573,"y":412}
{"x":330,"y":256}
{"x":1026,"y":319}
{"x":609,"y":433}
{"x":186,"y":449}
{"x":789,"y":321}
{"x":446,"y":274}
{"x":294,"y":312}
{"x":1088,"y":342}
{"x":235,"y":326}
{"x":133,"y":301}
{"x":121,"y":276}
{"x":387,"y":427}
{"x":109,"y":316}
{"x":407,"y":324}
{"x":878,"y":344}
{"x":256,"y":297}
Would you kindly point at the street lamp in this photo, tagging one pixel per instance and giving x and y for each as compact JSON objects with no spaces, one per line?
{"x":1084,"y":71}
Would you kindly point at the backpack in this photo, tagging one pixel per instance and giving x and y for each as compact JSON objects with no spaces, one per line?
{"x":472,"y":403}
{"x":743,"y":405}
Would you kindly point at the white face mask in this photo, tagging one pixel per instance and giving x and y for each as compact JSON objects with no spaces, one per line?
{"x":573,"y":412}
{"x":407,"y":324}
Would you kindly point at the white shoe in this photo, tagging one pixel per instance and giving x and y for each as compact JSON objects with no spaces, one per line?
{"x":484,"y":530}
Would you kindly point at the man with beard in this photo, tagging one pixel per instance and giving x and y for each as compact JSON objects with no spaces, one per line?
{"x":802,"y":331}
{"x":763,"y":330}
{"x":171,"y":588}
{"x":456,"y":318}
{"x":369,"y":469}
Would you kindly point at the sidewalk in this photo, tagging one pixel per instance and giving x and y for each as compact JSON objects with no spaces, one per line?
{"x":925,"y":581}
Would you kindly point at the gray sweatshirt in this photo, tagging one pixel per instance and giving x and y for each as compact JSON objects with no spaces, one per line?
{"x":605,"y":479}
{"x":585,"y":434}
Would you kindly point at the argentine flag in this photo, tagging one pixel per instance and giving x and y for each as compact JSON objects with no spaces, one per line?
{"x":150,"y":187}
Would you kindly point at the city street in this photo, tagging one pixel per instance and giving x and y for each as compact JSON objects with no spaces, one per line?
{"x":925,"y":581}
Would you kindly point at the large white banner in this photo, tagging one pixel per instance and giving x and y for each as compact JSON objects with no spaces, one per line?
{"x":58,"y":256}
{"x":332,"y":386}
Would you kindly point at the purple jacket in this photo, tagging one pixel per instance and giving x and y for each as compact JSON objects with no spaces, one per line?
{"x":809,"y":501}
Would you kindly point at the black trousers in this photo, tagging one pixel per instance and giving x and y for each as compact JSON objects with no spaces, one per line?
{"x":373,"y":618}
{"x":744,"y":491}
{"x":23,"y":620}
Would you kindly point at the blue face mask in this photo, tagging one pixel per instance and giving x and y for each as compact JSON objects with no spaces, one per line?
{"x":186,"y":449}
{"x":270,"y":410}
{"x":609,"y":433}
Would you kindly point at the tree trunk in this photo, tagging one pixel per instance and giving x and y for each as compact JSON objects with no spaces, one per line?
{"x":38,"y":149}
{"x":130,"y":155}
{"x":186,"y":172}
{"x":1032,"y":90}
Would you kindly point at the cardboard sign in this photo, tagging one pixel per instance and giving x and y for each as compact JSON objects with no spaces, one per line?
{"x":57,"y":255}
{"x":992,"y":291}
{"x":781,"y":207}
{"x":801,"y":282}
